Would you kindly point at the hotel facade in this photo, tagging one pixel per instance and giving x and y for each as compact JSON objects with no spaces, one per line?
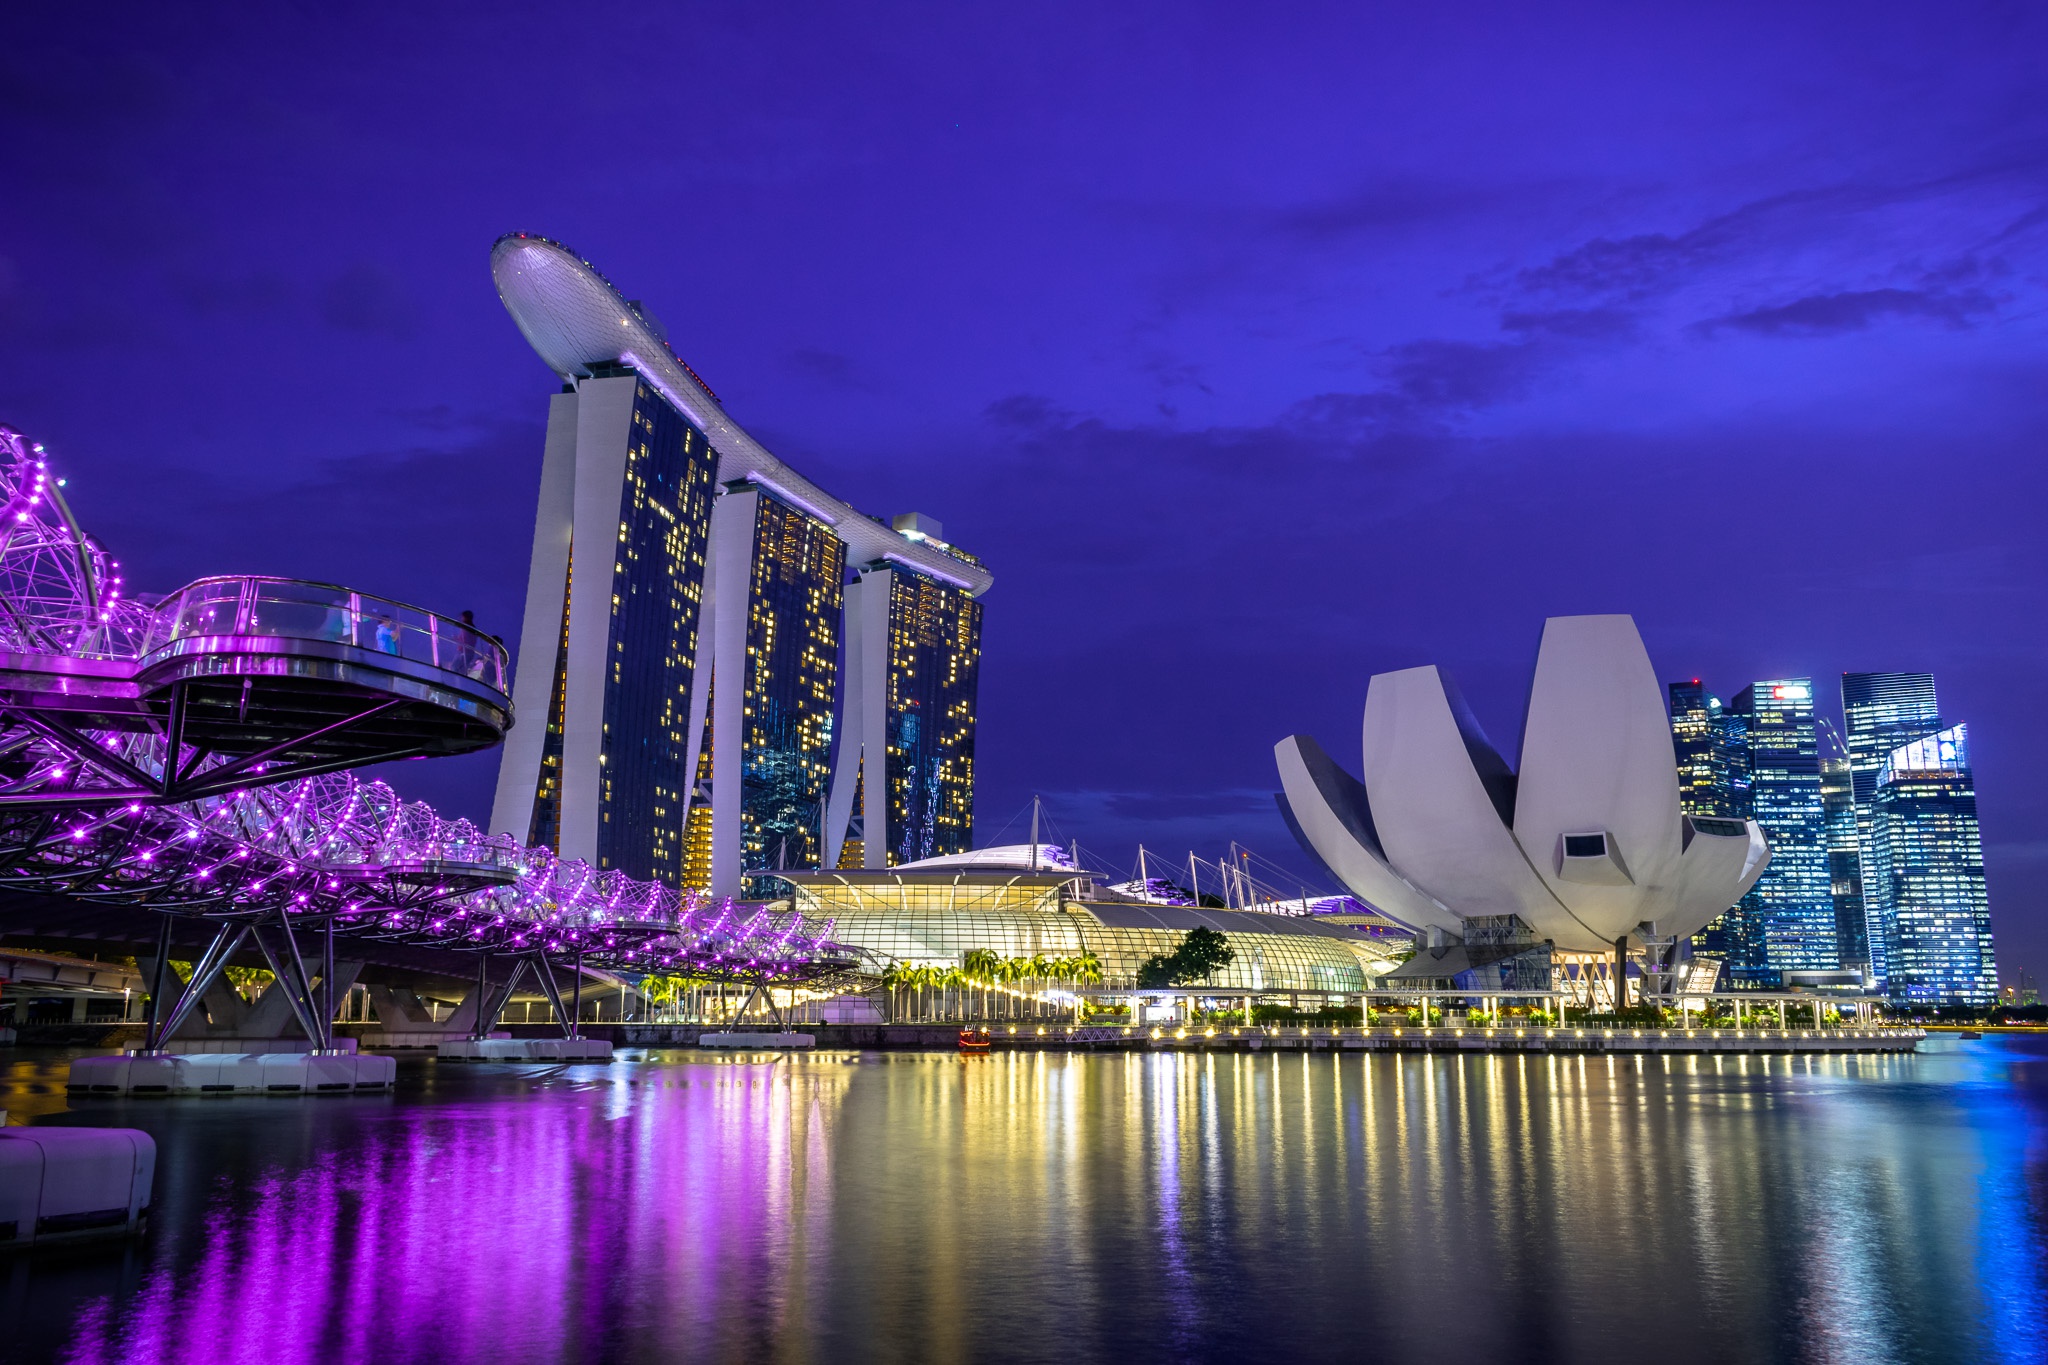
{"x":739,"y":672}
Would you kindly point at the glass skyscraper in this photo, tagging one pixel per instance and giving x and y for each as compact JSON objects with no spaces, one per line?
{"x":1924,"y":875}
{"x":792,"y":679}
{"x":610,"y":636}
{"x":934,"y":675}
{"x":1882,"y":712}
{"x":1791,"y":906}
{"x":1845,"y":873}
{"x":903,"y":786}
{"x":1711,"y":745}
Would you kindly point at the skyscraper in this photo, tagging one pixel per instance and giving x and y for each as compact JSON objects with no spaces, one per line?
{"x":1924,"y":875}
{"x":1711,"y":745}
{"x":1845,"y":873}
{"x":680,"y":697}
{"x":904,"y":785}
{"x":600,"y":769}
{"x":1791,"y":904}
{"x":1881,"y":711}
{"x":779,"y":576}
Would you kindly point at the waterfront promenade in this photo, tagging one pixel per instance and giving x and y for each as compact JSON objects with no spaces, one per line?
{"x":1295,"y":1038}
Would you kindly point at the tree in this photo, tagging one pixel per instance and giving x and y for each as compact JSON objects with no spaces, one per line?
{"x":1200,"y":954}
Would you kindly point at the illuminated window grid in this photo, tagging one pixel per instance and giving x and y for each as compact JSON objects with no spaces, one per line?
{"x":657,"y":589}
{"x":793,"y":607}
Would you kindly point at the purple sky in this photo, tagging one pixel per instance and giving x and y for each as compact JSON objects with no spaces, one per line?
{"x":1255,"y":357}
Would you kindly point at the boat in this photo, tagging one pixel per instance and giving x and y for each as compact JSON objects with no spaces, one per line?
{"x":973,"y":1040}
{"x":1969,"y":1033}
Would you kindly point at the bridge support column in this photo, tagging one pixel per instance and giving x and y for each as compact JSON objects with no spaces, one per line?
{"x":205,"y":972}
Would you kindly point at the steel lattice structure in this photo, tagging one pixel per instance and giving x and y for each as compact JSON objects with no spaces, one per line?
{"x":190,"y":757}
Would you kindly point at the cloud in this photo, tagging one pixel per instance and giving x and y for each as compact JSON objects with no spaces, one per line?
{"x":1853,"y":311}
{"x":367,"y":298}
{"x":1436,"y":377}
{"x":1384,"y":205}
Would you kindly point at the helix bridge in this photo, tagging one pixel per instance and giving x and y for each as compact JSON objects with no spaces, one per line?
{"x":189,"y":759}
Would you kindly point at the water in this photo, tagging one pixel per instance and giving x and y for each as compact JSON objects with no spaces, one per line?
{"x":1238,"y":1208}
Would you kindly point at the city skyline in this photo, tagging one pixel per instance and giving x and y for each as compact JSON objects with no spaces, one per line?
{"x":1319,"y":401}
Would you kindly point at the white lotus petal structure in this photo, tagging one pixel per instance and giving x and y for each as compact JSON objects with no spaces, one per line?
{"x":1585,"y":842}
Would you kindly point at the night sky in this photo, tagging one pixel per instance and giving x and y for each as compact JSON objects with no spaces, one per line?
{"x":1257,"y":350}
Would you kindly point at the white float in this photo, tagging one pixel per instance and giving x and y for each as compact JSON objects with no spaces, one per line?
{"x":73,"y":1184}
{"x":232,"y":1073}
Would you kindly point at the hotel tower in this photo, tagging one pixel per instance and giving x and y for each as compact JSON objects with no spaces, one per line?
{"x":703,"y":623}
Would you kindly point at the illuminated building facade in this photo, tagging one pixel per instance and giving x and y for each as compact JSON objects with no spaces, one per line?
{"x":609,"y":641}
{"x":937,"y":913}
{"x":904,"y":785}
{"x":691,"y":692}
{"x":1791,"y":908}
{"x":1881,"y":712}
{"x":1845,"y":872}
{"x":1924,"y":875}
{"x":779,"y":575}
{"x":1711,"y":745}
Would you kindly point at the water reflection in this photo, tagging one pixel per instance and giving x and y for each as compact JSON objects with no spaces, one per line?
{"x":1022,"y":1207}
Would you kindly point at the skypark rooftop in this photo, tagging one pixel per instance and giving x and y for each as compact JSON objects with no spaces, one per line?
{"x":578,"y":321}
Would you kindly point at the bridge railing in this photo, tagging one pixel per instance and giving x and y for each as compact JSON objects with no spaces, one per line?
{"x":296,"y":609}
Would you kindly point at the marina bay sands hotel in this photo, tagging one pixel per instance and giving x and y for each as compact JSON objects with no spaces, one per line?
{"x":701,"y":620}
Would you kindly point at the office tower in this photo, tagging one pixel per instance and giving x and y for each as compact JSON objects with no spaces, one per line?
{"x":1924,"y":875}
{"x":678,"y":710}
{"x":1845,"y":872}
{"x":1791,"y":904}
{"x":599,"y":768}
{"x":903,"y":788}
{"x":1711,"y":744}
{"x":1882,"y":712}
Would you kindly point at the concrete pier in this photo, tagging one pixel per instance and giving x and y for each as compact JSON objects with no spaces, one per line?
{"x":232,"y":1073}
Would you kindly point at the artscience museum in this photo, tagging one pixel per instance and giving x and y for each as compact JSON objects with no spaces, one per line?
{"x":1575,"y":861}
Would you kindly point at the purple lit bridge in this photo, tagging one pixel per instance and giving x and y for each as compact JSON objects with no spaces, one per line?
{"x":178,"y":772}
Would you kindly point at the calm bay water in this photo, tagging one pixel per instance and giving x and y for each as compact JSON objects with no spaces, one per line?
{"x":1068,"y":1208}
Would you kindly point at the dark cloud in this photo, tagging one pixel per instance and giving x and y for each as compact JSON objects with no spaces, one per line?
{"x":368,"y":298}
{"x":1458,"y":376}
{"x":1852,"y":311}
{"x":1390,"y":204}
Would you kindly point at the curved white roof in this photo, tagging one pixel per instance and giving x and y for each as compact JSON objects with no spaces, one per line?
{"x":577,"y":320}
{"x":1006,"y":857}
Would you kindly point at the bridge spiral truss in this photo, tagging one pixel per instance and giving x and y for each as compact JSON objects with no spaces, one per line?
{"x":102,"y":798}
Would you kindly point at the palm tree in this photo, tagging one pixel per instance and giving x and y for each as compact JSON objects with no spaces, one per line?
{"x":1086,"y":970}
{"x":982,"y":965}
